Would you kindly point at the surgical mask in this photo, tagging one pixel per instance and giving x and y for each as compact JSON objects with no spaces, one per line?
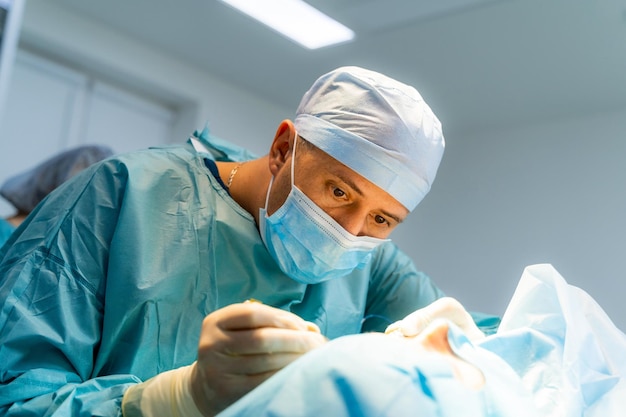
{"x":308,"y":244}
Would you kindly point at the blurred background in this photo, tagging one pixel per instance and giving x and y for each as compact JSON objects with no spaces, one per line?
{"x":531,"y":95}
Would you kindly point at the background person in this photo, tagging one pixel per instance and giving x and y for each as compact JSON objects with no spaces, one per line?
{"x":25,"y":190}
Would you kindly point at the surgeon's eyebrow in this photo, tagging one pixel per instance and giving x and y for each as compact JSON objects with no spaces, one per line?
{"x":352,"y":185}
{"x":393,"y":216}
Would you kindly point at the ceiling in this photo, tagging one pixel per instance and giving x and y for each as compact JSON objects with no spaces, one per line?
{"x":480,"y":64}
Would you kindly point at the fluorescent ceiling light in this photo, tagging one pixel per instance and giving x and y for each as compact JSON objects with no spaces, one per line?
{"x":297,"y":20}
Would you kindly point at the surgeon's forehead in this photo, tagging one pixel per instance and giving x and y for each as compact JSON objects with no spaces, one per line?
{"x":355,"y":180}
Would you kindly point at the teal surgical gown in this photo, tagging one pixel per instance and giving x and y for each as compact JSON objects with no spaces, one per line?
{"x":109,"y":281}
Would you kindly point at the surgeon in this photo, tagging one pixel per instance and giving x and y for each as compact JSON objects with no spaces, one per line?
{"x":25,"y":190}
{"x":200,"y":270}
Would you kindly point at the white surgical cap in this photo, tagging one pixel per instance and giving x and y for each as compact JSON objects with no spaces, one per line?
{"x":377,"y":126}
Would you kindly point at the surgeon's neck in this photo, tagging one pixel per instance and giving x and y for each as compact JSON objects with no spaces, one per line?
{"x":249,"y":186}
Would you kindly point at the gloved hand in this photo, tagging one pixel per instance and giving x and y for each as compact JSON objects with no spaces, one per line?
{"x":446,"y":308}
{"x":241,"y":345}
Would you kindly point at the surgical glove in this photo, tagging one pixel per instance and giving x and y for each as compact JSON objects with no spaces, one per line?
{"x":241,"y":346}
{"x":446,"y":308}
{"x":167,"y":394}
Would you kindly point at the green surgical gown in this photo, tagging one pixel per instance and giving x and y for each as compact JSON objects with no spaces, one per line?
{"x":109,"y":281}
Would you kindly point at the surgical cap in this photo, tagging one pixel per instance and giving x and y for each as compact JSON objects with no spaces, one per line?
{"x":377,"y":126}
{"x":25,"y":190}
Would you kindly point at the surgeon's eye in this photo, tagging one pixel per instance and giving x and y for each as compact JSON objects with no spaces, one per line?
{"x":380,"y":219}
{"x":338,"y":192}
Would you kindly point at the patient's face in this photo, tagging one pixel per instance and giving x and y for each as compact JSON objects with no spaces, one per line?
{"x":435,"y":339}
{"x":437,"y":372}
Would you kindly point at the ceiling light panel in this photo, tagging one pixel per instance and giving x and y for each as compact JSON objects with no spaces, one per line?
{"x":296,"y":20}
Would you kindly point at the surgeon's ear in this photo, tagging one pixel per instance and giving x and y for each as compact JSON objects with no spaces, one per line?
{"x":281,"y":146}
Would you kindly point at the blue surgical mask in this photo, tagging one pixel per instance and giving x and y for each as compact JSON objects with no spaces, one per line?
{"x":308,"y":244}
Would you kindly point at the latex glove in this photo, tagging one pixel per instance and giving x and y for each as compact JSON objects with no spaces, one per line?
{"x":446,"y":308}
{"x":242,"y":345}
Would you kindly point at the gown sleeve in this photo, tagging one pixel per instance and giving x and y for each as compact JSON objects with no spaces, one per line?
{"x":52,"y":286}
{"x":398,"y":288}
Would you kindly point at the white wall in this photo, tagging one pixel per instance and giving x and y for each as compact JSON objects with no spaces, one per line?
{"x":233,"y":113}
{"x":552,"y":192}
{"x":9,"y":35}
{"x":99,"y":56}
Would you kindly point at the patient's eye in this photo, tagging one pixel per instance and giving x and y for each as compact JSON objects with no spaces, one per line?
{"x":338,"y":192}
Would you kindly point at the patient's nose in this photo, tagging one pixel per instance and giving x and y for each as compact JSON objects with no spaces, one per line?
{"x":435,"y":338}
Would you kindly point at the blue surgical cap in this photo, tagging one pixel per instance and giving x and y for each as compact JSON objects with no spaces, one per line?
{"x":25,"y":190}
{"x":377,"y":126}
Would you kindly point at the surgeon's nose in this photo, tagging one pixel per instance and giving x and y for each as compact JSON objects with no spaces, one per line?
{"x":353,"y":224}
{"x":353,"y":221}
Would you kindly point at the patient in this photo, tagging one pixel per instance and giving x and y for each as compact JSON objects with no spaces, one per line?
{"x":555,"y":354}
{"x":25,"y":190}
{"x":438,"y":373}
